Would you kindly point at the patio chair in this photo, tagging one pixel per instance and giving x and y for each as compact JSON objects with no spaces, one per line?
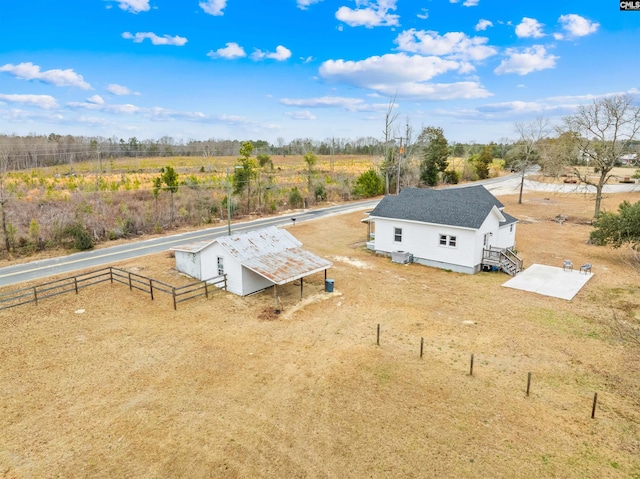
{"x":586,"y":268}
{"x":568,"y":265}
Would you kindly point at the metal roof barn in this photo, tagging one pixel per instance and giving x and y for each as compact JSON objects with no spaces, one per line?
{"x":252,"y":261}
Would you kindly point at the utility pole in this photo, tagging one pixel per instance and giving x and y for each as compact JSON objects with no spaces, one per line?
{"x":399,"y":166}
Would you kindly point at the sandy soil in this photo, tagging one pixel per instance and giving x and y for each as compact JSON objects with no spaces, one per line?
{"x":225,"y":388}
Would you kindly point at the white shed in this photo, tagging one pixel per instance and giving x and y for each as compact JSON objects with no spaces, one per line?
{"x":252,"y":261}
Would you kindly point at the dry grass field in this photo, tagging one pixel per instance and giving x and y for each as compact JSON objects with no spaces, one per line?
{"x":222,"y":388}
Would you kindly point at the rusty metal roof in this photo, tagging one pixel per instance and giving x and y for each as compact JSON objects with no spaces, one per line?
{"x":271,"y":252}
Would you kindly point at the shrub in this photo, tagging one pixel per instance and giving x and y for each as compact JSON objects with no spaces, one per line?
{"x":80,"y":237}
{"x":369,"y":184}
{"x":295,"y":198}
{"x":320,"y":192}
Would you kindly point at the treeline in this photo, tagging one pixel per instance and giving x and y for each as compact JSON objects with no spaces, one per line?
{"x":36,"y":151}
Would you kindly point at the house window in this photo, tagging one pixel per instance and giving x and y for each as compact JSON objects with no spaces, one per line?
{"x":220,"y":266}
{"x":397,"y":235}
{"x":446,"y":240}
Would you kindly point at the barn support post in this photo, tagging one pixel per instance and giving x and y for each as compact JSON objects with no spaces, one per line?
{"x":301,"y":286}
{"x":325,"y":274}
{"x":275,"y":297}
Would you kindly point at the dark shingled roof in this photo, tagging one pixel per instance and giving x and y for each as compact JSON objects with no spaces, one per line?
{"x":465,"y":207}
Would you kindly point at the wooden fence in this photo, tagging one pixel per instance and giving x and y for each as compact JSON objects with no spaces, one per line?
{"x":33,"y":294}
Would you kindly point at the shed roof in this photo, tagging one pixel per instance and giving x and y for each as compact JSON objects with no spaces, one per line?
{"x":271,"y":252}
{"x":466,"y":207}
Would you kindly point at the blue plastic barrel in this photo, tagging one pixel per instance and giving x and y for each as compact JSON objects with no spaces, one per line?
{"x":328,"y":285}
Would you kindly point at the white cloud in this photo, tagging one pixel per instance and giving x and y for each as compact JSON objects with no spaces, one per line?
{"x":97,"y":99}
{"x":116,"y":89}
{"x":134,"y":6}
{"x":162,"y":114}
{"x":57,"y":77}
{"x":471,"y":3}
{"x":345,"y":103}
{"x":92,"y":105}
{"x":527,"y":60}
{"x":46,"y":102}
{"x":230,"y":51}
{"x":281,"y":54}
{"x":386,"y":69}
{"x":374,"y":14}
{"x":404,"y":74}
{"x":483,"y":25}
{"x":301,"y":115}
{"x":307,"y":60}
{"x":577,"y":26}
{"x":424,"y":14}
{"x":456,"y":45}
{"x":155,"y":39}
{"x":304,"y":4}
{"x":213,"y":7}
{"x":529,"y":28}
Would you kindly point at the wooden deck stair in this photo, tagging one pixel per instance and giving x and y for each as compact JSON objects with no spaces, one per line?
{"x":505,"y":259}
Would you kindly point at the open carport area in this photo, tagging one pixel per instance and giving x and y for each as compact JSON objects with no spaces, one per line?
{"x":550,"y":281}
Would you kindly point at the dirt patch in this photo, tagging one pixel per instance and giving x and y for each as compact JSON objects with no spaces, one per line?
{"x":222,"y":388}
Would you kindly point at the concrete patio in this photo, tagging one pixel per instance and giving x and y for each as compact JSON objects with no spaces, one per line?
{"x":550,"y":281}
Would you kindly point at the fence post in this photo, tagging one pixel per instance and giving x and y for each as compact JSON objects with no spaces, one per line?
{"x":206,"y":289}
{"x":151,"y":288}
{"x":130,"y":281}
{"x":471,"y":368}
{"x":35,"y":294}
{"x":111,"y":274}
{"x":595,"y":403}
{"x":378,"y":336}
{"x":174,"y":298}
{"x":75,"y":283}
{"x":528,"y":382}
{"x":421,"y":347}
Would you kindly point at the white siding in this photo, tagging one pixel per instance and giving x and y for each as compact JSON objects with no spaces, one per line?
{"x":423,"y":241}
{"x":232,"y":268}
{"x":252,"y":282}
{"x":188,"y":263}
{"x":507,"y":236}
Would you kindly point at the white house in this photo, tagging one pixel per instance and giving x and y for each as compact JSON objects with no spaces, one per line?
{"x":460,"y":229}
{"x":252,"y":261}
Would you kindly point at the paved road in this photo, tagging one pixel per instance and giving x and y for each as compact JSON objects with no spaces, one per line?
{"x":95,"y":258}
{"x":48,"y":267}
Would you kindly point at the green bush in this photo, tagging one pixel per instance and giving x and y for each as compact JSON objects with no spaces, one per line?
{"x":369,"y":184}
{"x":320,"y":193}
{"x":295,"y":198}
{"x":79,"y":236}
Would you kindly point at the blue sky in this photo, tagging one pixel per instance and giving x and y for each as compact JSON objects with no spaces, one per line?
{"x":239,"y":69}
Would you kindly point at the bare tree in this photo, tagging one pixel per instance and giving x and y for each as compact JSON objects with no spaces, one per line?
{"x":4,"y":196}
{"x":389,"y":119}
{"x":526,"y":152}
{"x":602,"y":133}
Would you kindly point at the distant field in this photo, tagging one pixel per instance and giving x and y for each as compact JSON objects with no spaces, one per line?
{"x":225,"y":388}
